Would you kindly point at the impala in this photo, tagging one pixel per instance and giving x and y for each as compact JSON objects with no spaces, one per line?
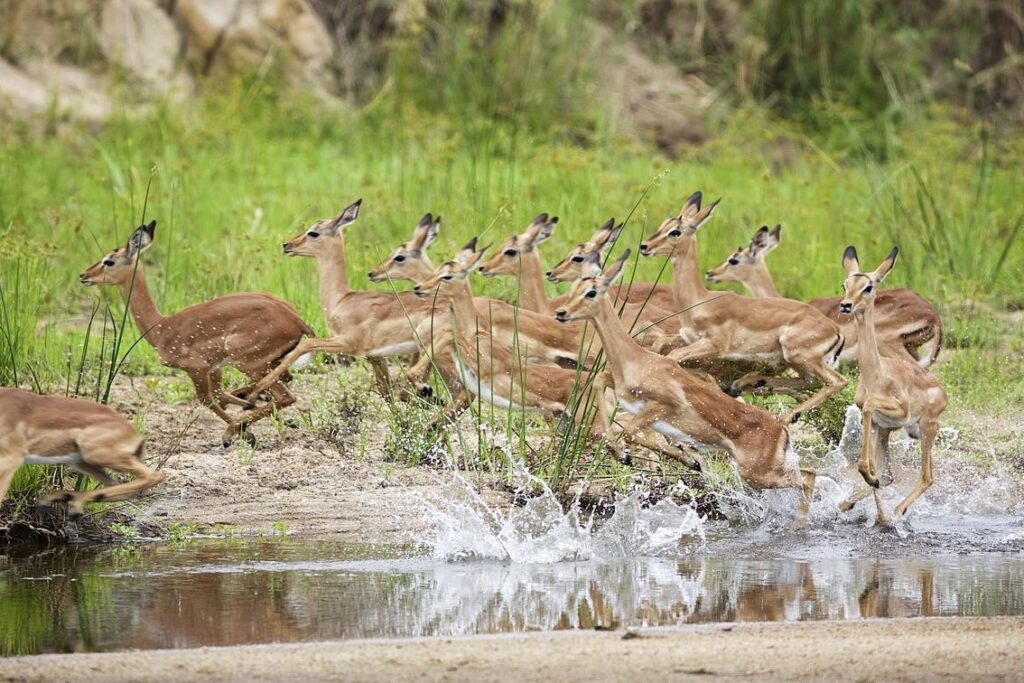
{"x":500,"y":373}
{"x":904,"y":321}
{"x":88,"y":437}
{"x":660,"y":395}
{"x":520,"y":258}
{"x":379,"y":324}
{"x":723,"y":325}
{"x":894,"y":392}
{"x":570,"y":268}
{"x":251,"y":332}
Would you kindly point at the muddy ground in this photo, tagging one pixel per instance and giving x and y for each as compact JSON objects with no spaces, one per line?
{"x":893,"y":650}
{"x":332,"y":473}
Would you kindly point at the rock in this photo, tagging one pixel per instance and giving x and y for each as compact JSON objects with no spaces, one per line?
{"x":141,"y":38}
{"x":658,"y":105}
{"x":31,"y":91}
{"x":234,"y":35}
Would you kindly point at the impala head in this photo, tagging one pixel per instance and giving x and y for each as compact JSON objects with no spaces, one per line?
{"x":505,"y":260}
{"x":739,"y":265}
{"x":571,"y":266}
{"x":587,"y":290}
{"x":323,"y":233}
{"x":118,"y":267}
{"x":679,"y":228}
{"x":859,"y":288}
{"x":451,"y":272}
{"x":409,"y":259}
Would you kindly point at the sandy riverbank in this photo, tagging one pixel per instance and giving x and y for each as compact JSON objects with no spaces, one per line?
{"x":893,"y":650}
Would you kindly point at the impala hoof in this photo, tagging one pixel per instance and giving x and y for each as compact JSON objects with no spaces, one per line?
{"x":794,"y":417}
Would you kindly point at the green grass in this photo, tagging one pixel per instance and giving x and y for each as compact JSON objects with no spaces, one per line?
{"x":243,"y":170}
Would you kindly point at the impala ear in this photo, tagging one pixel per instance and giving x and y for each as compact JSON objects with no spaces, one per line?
{"x":425,"y":232}
{"x":348,"y":216}
{"x":692,"y":205}
{"x":540,"y":229}
{"x":140,"y":239}
{"x":614,"y":271}
{"x":764,"y":240}
{"x":591,"y":265}
{"x":474,"y":258}
{"x":470,"y":245}
{"x":775,"y":236}
{"x":850,"y":262}
{"x":883,"y":270}
{"x":606,"y":234}
{"x":703,"y":216}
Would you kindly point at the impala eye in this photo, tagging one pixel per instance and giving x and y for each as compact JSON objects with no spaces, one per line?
{"x":312,"y":234}
{"x":734,"y":262}
{"x":867,"y":290}
{"x":446,"y":278}
{"x":109,"y":263}
{"x":399,"y":259}
{"x":510,"y":252}
{"x":675,"y":233}
{"x":592,"y":294}
{"x":577,"y":259}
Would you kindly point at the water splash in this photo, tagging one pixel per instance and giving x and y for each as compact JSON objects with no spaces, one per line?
{"x":467,"y":527}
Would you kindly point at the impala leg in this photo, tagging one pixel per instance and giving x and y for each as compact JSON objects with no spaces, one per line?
{"x":224,"y":399}
{"x":9,"y":463}
{"x":121,"y":458}
{"x":929,"y":430}
{"x":781,"y":478}
{"x":881,"y":518}
{"x":807,"y":478}
{"x":280,"y":398}
{"x":867,"y":465}
{"x":759,"y":384}
{"x":855,"y":497}
{"x":204,"y":392}
{"x":96,"y":472}
{"x":831,"y":383}
{"x":302,"y":348}
{"x":381,"y":376}
{"x":698,"y":350}
{"x":635,"y":430}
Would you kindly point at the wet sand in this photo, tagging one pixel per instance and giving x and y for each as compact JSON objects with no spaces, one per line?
{"x":893,"y":650}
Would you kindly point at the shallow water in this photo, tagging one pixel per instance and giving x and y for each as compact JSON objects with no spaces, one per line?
{"x":246,"y":591}
{"x":540,"y":566}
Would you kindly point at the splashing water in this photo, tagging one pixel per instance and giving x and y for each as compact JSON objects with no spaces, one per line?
{"x":467,"y":527}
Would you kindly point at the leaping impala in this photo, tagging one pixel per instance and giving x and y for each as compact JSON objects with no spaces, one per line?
{"x":894,"y":392}
{"x":904,"y":321}
{"x":500,"y":373}
{"x":379,"y":324}
{"x":519,"y":257}
{"x":728,"y":326}
{"x":660,"y":395}
{"x":251,"y":332}
{"x":89,"y":437}
{"x":570,"y":268}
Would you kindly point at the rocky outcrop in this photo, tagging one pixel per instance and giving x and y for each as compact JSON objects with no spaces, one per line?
{"x":139,"y":37}
{"x":224,"y":36}
{"x":40,"y":88}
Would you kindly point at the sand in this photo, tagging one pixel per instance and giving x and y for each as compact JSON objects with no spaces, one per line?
{"x":892,"y":650}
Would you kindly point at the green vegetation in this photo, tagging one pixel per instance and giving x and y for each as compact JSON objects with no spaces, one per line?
{"x":837,"y":139}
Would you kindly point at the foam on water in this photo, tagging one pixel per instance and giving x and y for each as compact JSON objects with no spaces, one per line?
{"x":466,"y":527}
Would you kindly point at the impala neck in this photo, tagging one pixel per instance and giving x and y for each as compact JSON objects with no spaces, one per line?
{"x":759,"y":282}
{"x":460,"y":300}
{"x":617,"y":342}
{"x":531,"y":282}
{"x":333,"y":275}
{"x":687,"y":282}
{"x":867,"y":344}
{"x":144,"y":312}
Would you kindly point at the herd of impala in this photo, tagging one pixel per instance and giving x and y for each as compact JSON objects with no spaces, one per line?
{"x":662,"y":366}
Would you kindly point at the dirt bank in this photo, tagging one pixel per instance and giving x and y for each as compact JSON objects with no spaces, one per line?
{"x":895,"y":650}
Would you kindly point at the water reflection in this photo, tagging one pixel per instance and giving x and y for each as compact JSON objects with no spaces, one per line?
{"x":254,"y":592}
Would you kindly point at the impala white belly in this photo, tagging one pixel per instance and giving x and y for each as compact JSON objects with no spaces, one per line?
{"x":70,"y":459}
{"x":888,"y":422}
{"x":395,"y":349}
{"x":754,"y":357}
{"x":302,"y":361}
{"x":475,"y":386}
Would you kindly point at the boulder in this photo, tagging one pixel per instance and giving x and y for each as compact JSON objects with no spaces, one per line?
{"x":226,"y":36}
{"x":35,"y":88}
{"x":141,"y":38}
